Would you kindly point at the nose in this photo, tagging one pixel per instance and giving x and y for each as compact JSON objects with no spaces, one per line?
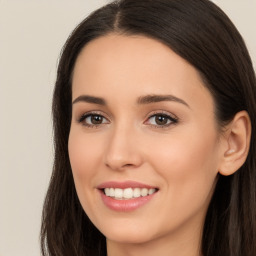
{"x":123,"y":150}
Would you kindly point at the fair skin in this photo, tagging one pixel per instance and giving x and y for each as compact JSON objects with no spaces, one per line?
{"x":171,"y":144}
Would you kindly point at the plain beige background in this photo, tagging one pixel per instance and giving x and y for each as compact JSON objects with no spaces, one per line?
{"x":32,"y":33}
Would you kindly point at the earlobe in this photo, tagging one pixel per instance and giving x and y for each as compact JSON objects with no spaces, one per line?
{"x":237,"y":135}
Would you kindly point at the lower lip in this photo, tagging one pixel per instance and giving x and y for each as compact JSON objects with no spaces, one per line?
{"x":125,"y":205}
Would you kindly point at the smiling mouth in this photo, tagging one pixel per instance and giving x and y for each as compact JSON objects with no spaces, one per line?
{"x":128,"y":193}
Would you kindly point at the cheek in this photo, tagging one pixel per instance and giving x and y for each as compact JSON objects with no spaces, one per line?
{"x":85,"y":158}
{"x":182,"y":153}
{"x":83,"y":154}
{"x":188,"y":166}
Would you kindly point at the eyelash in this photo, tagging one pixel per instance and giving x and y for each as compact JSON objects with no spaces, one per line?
{"x":91,"y":114}
{"x":171,"y":120}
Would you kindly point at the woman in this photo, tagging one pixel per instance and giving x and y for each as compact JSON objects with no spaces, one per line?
{"x":154,"y":122}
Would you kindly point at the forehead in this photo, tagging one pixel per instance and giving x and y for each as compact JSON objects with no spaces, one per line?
{"x":130,"y":66}
{"x":121,"y":54}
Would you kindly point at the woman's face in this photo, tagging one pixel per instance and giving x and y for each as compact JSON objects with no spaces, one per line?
{"x":144,"y":132}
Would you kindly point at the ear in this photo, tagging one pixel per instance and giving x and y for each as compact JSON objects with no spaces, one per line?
{"x":237,"y":137}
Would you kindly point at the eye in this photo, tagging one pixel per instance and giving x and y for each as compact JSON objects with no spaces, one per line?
{"x":161,"y":120}
{"x":92,"y":120}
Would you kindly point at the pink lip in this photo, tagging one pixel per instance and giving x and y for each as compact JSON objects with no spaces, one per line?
{"x":124,"y":205}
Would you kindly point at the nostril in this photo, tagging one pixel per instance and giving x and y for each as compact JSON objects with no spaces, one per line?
{"x":127,"y":165}
{"x":119,"y":165}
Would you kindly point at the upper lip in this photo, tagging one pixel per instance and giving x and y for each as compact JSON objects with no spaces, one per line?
{"x":123,"y":185}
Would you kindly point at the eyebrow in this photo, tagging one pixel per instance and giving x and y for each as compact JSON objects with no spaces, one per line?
{"x":141,"y":100}
{"x":158,"y":98}
{"x":90,"y":99}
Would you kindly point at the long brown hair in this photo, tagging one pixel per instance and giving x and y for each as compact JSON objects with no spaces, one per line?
{"x":201,"y":33}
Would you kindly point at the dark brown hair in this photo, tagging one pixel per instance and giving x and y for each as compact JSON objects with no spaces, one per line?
{"x":201,"y":33}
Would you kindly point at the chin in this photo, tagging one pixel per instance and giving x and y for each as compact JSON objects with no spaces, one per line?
{"x":127,"y":234}
{"x":128,"y":238}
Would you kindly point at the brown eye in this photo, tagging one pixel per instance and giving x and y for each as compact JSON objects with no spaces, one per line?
{"x":161,"y":120}
{"x":93,"y":120}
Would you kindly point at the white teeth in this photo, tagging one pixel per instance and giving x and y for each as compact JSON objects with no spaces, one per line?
{"x":144,"y":192}
{"x":107,"y":191}
{"x":136,"y":192}
{"x":151,"y":191}
{"x":118,"y":193}
{"x":128,"y":193}
{"x":111,"y":192}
